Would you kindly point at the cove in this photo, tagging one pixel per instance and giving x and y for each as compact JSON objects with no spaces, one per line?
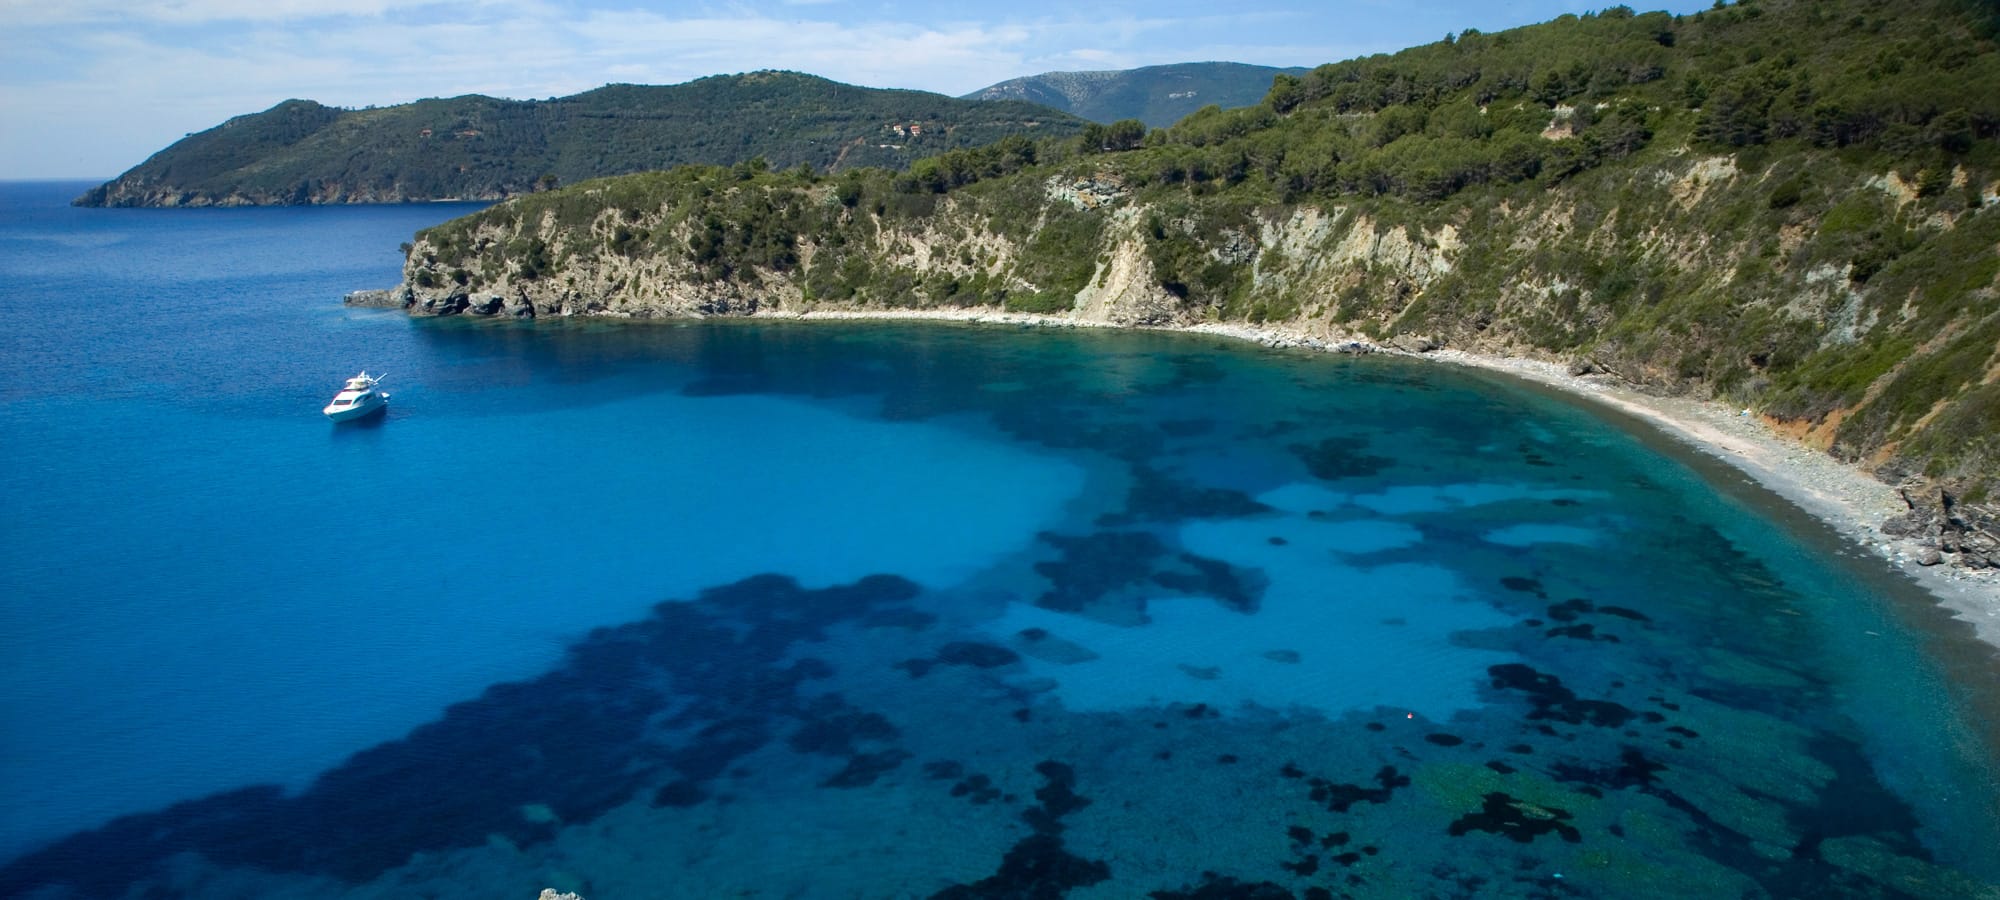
{"x":906,"y":610}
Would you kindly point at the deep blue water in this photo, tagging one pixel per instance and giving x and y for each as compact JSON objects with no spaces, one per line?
{"x":897,"y":610}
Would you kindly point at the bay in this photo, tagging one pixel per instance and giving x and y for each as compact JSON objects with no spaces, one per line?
{"x":652,"y":609}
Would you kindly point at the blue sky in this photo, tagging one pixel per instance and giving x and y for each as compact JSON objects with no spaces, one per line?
{"x":89,"y":88}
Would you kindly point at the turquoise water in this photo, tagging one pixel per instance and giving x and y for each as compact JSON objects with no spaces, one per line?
{"x":897,"y":610}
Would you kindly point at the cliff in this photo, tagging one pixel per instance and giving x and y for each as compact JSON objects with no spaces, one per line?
{"x":1829,"y":259}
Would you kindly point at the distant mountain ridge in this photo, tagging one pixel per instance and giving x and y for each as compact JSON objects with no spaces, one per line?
{"x":476,"y":147}
{"x":1156,"y":95}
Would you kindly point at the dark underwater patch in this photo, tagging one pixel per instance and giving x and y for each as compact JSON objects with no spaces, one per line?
{"x":1633,"y":770}
{"x":863,"y":768}
{"x":1039,"y":865}
{"x":834,"y":727}
{"x":1516,"y":820}
{"x":1239,"y":589}
{"x":1083,"y":428}
{"x":680,"y":793}
{"x":979,"y":789}
{"x":579,"y":740}
{"x":1158,"y":497}
{"x":1095,"y":566}
{"x":1532,"y":455}
{"x":1335,"y":458}
{"x":1569,"y":610}
{"x":1222,"y":887}
{"x":1583,"y":632}
{"x":1339,"y":797}
{"x":1115,"y":567}
{"x":1180,"y":428}
{"x":1551,"y":700}
{"x":973,"y":654}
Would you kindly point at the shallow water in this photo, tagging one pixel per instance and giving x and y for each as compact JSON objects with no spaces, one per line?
{"x":898,"y":610}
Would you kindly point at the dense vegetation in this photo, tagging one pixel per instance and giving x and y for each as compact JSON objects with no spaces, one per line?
{"x":1156,"y":95}
{"x":479,"y":147}
{"x":1789,"y":204}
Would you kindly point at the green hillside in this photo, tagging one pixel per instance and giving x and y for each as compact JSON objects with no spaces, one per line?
{"x":1156,"y":95}
{"x":1793,"y":205}
{"x":479,"y":147}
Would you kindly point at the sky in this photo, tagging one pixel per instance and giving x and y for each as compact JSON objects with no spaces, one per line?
{"x":90,"y":88}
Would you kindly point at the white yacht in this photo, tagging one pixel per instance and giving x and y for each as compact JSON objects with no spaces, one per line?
{"x":358,"y":398}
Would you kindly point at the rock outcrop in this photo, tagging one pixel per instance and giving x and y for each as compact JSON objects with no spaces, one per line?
{"x":393,"y":298}
{"x":1947,"y":530}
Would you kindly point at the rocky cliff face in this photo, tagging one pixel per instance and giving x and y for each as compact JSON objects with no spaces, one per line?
{"x":133,"y":190}
{"x":1311,"y":253}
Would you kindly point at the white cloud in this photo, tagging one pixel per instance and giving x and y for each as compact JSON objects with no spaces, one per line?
{"x":33,"y":13}
{"x":876,"y":54}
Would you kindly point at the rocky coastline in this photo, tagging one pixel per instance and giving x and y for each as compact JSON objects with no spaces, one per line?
{"x":1950,"y":549}
{"x":137,"y":193}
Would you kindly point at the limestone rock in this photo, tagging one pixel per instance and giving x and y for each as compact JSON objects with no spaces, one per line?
{"x":395,"y":298}
{"x":1087,"y":193}
{"x":1901,"y":526}
{"x":1940,"y":524}
{"x":448,"y":305}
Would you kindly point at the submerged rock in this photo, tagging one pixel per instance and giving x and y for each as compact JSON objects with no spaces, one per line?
{"x":1042,"y":645}
{"x":1039,"y":865}
{"x":1517,"y":820}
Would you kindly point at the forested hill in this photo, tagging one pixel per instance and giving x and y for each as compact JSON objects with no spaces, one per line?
{"x":476,"y":147}
{"x":1156,"y":95}
{"x":1792,"y":205}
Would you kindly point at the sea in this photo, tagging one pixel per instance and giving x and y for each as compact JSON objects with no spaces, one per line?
{"x":873,"y":609}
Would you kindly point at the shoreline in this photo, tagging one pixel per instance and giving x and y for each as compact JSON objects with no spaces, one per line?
{"x":1850,"y":501}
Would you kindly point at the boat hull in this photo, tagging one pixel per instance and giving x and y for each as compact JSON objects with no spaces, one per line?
{"x":358,"y":411}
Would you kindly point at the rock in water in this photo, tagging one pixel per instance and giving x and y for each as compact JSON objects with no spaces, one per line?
{"x":388,"y":299}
